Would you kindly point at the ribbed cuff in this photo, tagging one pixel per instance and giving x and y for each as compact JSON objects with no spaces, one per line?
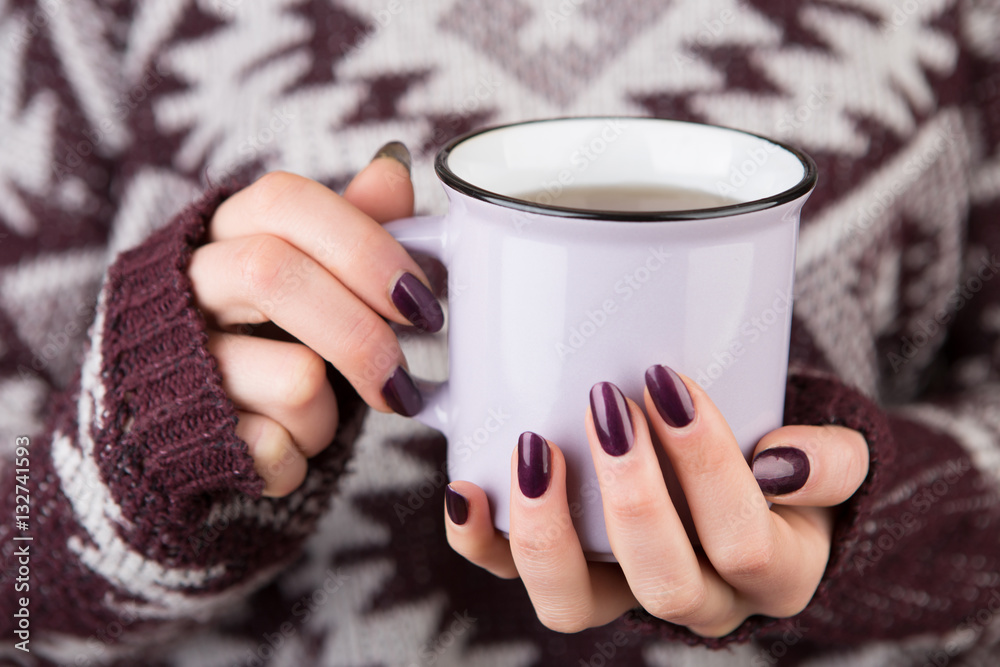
{"x":815,"y":400}
{"x":169,"y":436}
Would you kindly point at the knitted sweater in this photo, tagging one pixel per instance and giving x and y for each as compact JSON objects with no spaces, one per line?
{"x":132,"y":529}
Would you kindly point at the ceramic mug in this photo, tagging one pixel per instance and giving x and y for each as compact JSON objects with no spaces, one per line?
{"x":546,"y":301}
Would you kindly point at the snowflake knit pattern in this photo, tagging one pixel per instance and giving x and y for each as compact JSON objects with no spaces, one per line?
{"x":125,"y":124}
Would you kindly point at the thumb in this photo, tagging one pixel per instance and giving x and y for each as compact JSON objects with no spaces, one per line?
{"x":383,"y":189}
{"x":817,"y":466}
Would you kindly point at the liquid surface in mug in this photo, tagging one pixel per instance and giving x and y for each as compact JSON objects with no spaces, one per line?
{"x":628,"y":198}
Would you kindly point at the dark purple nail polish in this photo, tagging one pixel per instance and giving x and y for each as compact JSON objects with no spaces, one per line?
{"x":533,"y":464}
{"x":397,"y":151}
{"x":670,"y":396}
{"x":401,"y":394}
{"x":457,"y":506}
{"x":781,"y":470}
{"x":612,"y":420}
{"x":417,"y":303}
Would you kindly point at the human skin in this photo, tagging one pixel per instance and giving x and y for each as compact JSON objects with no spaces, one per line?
{"x":318,"y":265}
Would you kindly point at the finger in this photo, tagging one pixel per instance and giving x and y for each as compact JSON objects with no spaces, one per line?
{"x":818,"y":466}
{"x":285,"y":382}
{"x":338,"y":236}
{"x":645,"y":531}
{"x":471,"y":533}
{"x":276,"y":458}
{"x":262,"y":278}
{"x":545,"y":546}
{"x":383,"y":189}
{"x":750,"y":547}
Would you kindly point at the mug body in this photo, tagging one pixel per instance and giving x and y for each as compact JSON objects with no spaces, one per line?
{"x":545,"y":301}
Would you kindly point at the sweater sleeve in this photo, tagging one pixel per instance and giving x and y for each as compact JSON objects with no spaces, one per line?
{"x":915,"y":551}
{"x":145,"y":509}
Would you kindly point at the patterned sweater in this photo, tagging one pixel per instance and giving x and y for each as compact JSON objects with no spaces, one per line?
{"x":132,"y":529}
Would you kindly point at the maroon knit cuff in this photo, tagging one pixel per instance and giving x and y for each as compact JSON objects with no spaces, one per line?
{"x":817,"y":400}
{"x":169,"y":424}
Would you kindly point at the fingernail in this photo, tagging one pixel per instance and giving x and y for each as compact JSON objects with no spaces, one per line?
{"x":397,"y":151}
{"x":417,"y":303}
{"x":401,"y":394}
{"x":533,"y":464}
{"x":612,"y":420}
{"x":457,"y":506}
{"x":781,"y":470}
{"x":670,"y":396}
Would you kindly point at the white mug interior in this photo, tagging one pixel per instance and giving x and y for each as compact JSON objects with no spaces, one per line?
{"x":509,"y":162}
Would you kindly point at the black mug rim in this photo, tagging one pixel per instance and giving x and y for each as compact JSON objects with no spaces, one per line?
{"x":452,"y":180}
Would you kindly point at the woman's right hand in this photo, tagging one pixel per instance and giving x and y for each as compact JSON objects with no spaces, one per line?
{"x":318,"y":265}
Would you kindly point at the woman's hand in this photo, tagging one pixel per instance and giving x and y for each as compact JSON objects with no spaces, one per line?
{"x":753,"y":559}
{"x":319,"y":266}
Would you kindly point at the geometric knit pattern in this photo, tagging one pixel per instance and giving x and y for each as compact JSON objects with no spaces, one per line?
{"x":124,"y":125}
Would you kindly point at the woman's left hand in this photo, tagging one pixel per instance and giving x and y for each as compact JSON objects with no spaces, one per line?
{"x":753,"y":559}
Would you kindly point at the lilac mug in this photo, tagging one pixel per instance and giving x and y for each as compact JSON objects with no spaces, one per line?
{"x":546,"y":301}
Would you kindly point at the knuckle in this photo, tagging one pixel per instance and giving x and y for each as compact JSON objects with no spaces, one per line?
{"x":274,"y":190}
{"x":263,"y":264}
{"x":752,"y":561}
{"x":370,"y":339}
{"x":304,"y":378}
{"x":681,"y":605}
{"x":287,"y":481}
{"x":792,"y":606}
{"x":717,"y":629}
{"x":533,"y":546}
{"x":629,"y":505}
{"x":285,"y":470}
{"x":706,"y":461}
{"x":562,"y":622}
{"x":856,"y":468}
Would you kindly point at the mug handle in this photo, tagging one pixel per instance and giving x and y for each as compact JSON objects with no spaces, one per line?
{"x":426,"y":234}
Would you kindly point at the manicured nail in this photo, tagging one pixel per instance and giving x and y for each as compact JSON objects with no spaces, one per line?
{"x":612,"y":420}
{"x":457,"y":506}
{"x":670,"y":396}
{"x":401,"y":394}
{"x":781,"y":470}
{"x":417,"y":303}
{"x":533,"y":464}
{"x":397,"y":151}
